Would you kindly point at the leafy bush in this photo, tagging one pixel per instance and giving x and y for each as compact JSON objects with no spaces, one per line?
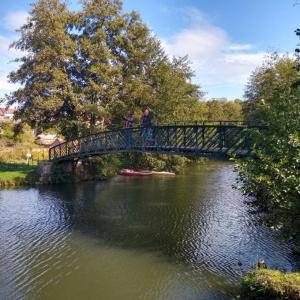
{"x":273,"y":175}
{"x":270,"y":284}
{"x":18,"y":153}
{"x":158,"y":162}
{"x":12,"y":133}
{"x":105,"y":166}
{"x":16,"y":141}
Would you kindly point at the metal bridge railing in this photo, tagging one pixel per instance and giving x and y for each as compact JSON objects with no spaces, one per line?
{"x":198,"y":139}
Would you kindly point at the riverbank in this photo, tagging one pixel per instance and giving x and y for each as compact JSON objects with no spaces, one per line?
{"x":16,"y":174}
{"x":91,"y":169}
{"x":270,"y":284}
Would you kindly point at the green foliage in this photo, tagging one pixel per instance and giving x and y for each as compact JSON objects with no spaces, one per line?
{"x":81,"y":69}
{"x":94,"y":168}
{"x":46,"y":96}
{"x":105,"y":166}
{"x":24,"y":135}
{"x":16,"y":141}
{"x":157,"y":162}
{"x":273,"y":176}
{"x":11,"y":133}
{"x":59,"y":175}
{"x":7,"y":132}
{"x":268,"y":84}
{"x":225,"y":110}
{"x":270,"y":284}
{"x":17,"y":153}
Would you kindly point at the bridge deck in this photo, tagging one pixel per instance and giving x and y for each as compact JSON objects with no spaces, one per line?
{"x":199,"y":140}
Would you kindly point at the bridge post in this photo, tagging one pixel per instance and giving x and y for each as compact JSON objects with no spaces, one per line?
{"x":50,"y":155}
{"x":196,"y":136}
{"x":203,"y":136}
{"x":246,"y":142}
{"x":222,"y":137}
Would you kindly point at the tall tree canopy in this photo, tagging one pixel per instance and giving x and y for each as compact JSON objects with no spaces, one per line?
{"x":82,"y":68}
{"x":273,"y":176}
{"x":267,"y":84}
{"x":46,"y":97}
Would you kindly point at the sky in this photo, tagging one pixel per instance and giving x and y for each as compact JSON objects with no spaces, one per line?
{"x":225,"y":40}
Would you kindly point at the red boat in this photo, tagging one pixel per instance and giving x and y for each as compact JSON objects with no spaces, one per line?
{"x":130,"y":172}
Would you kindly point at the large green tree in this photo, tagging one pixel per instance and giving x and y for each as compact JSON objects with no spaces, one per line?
{"x":267,"y":84}
{"x":82,"y":68}
{"x":273,"y":175}
{"x":46,"y":97}
{"x":132,"y":71}
{"x":100,"y":29}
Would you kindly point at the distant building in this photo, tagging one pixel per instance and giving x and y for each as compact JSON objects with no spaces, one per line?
{"x":49,"y":140}
{"x":46,"y":139}
{"x":56,"y":142}
{"x":6,"y":114}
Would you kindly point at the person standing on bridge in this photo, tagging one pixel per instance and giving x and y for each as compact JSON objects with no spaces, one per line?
{"x":128,"y":124}
{"x":146,"y":124}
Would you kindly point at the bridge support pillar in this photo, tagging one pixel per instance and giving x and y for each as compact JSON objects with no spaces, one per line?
{"x":44,"y":170}
{"x":66,"y":171}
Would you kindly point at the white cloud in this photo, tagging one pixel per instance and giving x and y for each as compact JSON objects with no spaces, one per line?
{"x":240,"y":47}
{"x":5,"y":50}
{"x":15,"y":20}
{"x":4,"y":44}
{"x":7,"y":65}
{"x":5,"y":85}
{"x":220,"y":64}
{"x":11,"y":21}
{"x":216,"y":59}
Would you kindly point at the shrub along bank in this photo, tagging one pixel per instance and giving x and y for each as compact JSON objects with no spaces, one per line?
{"x":101,"y":168}
{"x":272,"y":176}
{"x":270,"y":284}
{"x":94,"y":168}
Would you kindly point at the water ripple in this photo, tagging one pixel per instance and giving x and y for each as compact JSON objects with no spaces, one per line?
{"x":190,"y":236}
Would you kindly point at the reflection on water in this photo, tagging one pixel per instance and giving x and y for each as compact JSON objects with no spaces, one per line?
{"x":183,"y":237}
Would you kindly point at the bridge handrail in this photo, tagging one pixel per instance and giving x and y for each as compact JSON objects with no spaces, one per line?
{"x":208,"y":124}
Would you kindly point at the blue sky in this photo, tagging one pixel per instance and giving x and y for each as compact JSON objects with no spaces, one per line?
{"x":225,"y":40}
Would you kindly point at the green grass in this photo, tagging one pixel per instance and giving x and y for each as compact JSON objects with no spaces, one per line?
{"x":271,"y":284}
{"x":9,"y":175}
{"x":15,"y":174}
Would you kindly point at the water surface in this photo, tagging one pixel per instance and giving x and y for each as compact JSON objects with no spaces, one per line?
{"x":184,"y":237}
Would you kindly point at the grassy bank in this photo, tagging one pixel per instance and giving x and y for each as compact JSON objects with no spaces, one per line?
{"x":16,"y":174}
{"x":94,"y":168}
{"x":270,"y":284}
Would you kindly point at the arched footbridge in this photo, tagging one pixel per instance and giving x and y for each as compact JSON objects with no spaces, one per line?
{"x":197,"y":138}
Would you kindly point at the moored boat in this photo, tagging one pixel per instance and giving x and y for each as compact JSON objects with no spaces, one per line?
{"x":163,"y":173}
{"x":131,"y":172}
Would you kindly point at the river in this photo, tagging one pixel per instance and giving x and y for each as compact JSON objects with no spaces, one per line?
{"x":186,"y":237}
